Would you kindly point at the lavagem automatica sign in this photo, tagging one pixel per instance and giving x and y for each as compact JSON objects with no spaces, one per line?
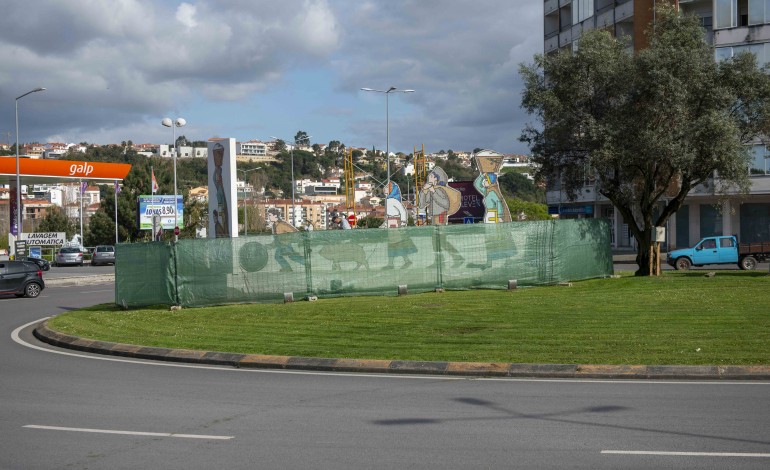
{"x":45,"y":238}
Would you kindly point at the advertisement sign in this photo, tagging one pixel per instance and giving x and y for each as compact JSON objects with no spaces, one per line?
{"x":65,"y":169}
{"x":20,"y":249}
{"x":472,"y":205}
{"x":223,"y":202}
{"x":36,"y":252}
{"x":164,"y":207}
{"x":14,"y":211}
{"x":45,"y":238}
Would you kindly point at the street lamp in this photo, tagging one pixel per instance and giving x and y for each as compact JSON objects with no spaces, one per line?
{"x":387,"y":124}
{"x":293,"y":183}
{"x":245,"y":209}
{"x":18,"y":178}
{"x":179,"y":122}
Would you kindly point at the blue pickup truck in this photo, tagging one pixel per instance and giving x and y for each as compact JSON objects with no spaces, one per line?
{"x":720,"y":250}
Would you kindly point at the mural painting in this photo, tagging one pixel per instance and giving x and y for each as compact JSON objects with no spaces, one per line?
{"x":223,"y":218}
{"x":439,"y":201}
{"x":489,"y":163}
{"x":284,"y":246}
{"x":400,"y":245}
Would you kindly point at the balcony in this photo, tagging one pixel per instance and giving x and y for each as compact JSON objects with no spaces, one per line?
{"x":551,"y":6}
{"x":624,"y":12}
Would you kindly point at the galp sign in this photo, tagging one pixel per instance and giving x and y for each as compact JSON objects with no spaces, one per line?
{"x":81,"y":169}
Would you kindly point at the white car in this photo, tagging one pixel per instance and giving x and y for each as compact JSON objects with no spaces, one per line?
{"x":67,"y":255}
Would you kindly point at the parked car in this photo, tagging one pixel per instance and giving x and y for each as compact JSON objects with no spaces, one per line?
{"x":103,"y":254}
{"x":68,"y":255}
{"x":42,"y":263}
{"x":21,"y":278}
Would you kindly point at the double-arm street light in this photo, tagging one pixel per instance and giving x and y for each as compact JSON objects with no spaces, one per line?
{"x":18,"y":178}
{"x":179,"y":122}
{"x":245,"y":209}
{"x":293,"y":183}
{"x":387,"y":123}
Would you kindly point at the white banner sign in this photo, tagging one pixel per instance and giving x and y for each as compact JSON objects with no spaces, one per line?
{"x":45,"y":238}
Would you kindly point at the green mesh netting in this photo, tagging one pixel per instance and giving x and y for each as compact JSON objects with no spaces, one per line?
{"x":331,"y":263}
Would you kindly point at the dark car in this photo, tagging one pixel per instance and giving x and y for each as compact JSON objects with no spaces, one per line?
{"x":21,"y":278}
{"x":42,"y":263}
{"x":103,"y":254}
{"x":68,"y":255}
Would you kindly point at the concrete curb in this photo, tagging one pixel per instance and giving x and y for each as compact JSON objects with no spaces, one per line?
{"x":80,"y":280}
{"x":466,"y":369}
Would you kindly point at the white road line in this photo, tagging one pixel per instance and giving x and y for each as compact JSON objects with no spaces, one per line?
{"x":16,"y":338}
{"x":129,"y":433}
{"x":687,"y":454}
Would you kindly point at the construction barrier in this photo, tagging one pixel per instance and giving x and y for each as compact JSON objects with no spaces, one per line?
{"x":333,"y":263}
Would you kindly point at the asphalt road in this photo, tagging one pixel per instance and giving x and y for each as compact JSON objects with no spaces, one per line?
{"x":61,"y":410}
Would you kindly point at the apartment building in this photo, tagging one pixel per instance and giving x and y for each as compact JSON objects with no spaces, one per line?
{"x":732,"y":26}
{"x":254,"y":148}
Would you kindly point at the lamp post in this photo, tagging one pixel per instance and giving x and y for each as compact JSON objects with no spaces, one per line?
{"x":293,"y":183}
{"x":179,"y":122}
{"x":387,"y":124}
{"x":18,"y":177}
{"x":245,"y":209}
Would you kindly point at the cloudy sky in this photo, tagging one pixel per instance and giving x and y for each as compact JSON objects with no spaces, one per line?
{"x":252,"y":69}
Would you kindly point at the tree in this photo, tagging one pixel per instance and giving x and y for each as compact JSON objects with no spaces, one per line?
{"x":526,"y":210}
{"x":301,"y":138}
{"x":648,"y":127}
{"x":101,"y":230}
{"x":181,"y":141}
{"x":55,"y":220}
{"x":518,"y":185}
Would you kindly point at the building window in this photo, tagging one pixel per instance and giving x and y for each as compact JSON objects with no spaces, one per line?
{"x":710,"y":221}
{"x":725,"y":14}
{"x":755,"y":222}
{"x":761,"y":51}
{"x":683,"y":227}
{"x":760,"y":160}
{"x":582,"y":10}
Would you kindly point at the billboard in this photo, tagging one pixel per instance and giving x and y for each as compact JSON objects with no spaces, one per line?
{"x":162,"y":205}
{"x":471,"y":206}
{"x":223,"y":202}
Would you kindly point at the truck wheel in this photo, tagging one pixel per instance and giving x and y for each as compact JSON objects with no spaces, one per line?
{"x":682,"y":264}
{"x":748,"y":263}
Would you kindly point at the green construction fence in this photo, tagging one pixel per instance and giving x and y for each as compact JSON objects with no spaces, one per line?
{"x":333,"y":263}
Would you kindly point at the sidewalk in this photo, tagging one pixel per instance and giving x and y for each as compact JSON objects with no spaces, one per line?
{"x":626,"y":257}
{"x":460,"y":369}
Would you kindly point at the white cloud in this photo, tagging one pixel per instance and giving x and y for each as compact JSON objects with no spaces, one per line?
{"x":185,"y":14}
{"x":112,"y":65}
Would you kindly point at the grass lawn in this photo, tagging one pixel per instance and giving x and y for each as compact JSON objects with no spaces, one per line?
{"x":678,"y":318}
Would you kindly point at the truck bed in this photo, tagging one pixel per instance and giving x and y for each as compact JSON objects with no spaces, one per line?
{"x":753,"y":248}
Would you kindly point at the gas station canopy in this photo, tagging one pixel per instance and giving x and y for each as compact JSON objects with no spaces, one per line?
{"x":36,"y":170}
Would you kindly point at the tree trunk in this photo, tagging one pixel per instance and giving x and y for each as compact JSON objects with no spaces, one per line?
{"x":643,"y":254}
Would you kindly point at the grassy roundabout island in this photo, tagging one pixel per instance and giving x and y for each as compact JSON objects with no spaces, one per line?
{"x":678,"y":318}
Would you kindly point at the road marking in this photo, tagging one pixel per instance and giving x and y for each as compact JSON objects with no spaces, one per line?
{"x":16,"y":338}
{"x":687,"y":454}
{"x":129,"y":433}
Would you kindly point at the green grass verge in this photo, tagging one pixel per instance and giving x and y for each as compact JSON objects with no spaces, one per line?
{"x":679,"y":318}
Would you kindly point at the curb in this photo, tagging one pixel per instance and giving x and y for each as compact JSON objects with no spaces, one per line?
{"x":80,"y":280}
{"x":384,"y":366}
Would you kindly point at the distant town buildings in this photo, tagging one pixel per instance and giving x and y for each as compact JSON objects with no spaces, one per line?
{"x":316,"y":199}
